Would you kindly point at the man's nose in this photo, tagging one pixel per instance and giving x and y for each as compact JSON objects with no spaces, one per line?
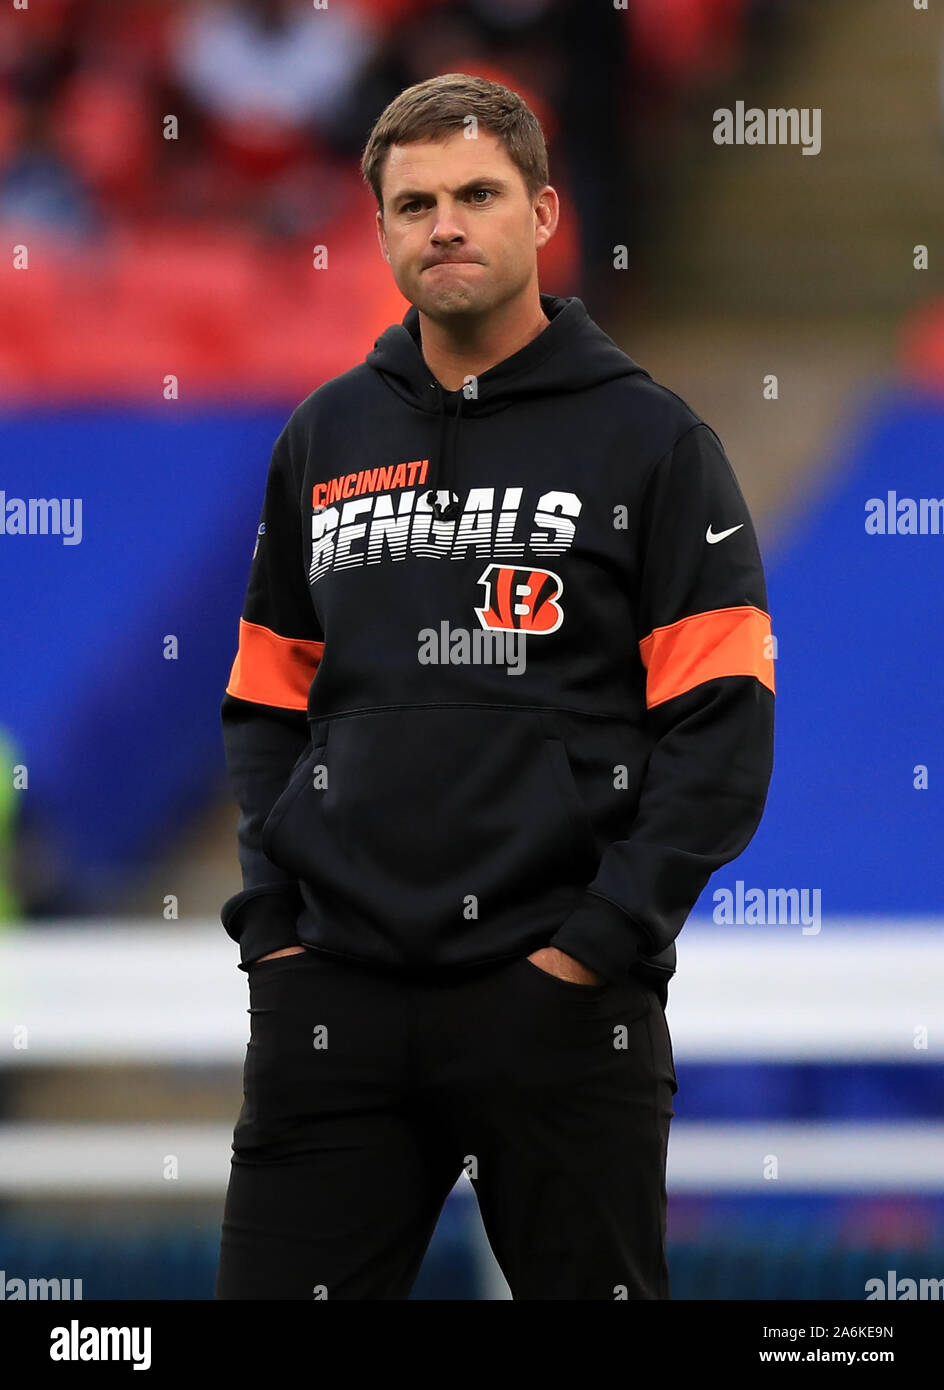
{"x":447,"y":226}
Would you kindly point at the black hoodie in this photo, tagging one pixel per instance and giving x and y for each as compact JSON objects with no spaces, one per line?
{"x":542,"y":715}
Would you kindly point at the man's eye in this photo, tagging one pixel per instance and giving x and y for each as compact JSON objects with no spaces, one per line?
{"x":486,"y":191}
{"x":406,"y":206}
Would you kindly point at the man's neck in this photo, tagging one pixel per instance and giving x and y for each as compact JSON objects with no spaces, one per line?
{"x":456,"y":352}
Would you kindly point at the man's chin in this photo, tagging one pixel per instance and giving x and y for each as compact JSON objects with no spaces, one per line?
{"x":451,"y":305}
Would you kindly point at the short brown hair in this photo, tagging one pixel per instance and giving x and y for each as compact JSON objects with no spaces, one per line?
{"x":432,"y":109}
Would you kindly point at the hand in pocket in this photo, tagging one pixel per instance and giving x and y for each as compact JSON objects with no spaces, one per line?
{"x":565,"y":967}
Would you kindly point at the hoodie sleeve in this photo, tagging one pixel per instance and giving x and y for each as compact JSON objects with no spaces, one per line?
{"x":265,"y":707}
{"x":706,"y":650}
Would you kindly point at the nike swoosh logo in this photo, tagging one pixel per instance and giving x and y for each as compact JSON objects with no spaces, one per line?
{"x":713,"y":539}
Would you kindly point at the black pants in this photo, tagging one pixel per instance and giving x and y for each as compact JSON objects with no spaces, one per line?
{"x":366,"y":1096}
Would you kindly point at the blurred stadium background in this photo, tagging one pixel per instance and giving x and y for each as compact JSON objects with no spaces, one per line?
{"x":192,"y":256}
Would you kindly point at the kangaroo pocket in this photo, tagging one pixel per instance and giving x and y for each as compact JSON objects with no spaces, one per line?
{"x":417,"y":823}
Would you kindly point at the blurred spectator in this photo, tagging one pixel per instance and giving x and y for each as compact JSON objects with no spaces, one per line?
{"x":270,"y":81}
{"x":38,"y":187}
{"x":265,"y":67}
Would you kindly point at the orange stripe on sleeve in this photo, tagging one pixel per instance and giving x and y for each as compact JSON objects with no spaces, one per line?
{"x":722,"y":642}
{"x":273,"y":670}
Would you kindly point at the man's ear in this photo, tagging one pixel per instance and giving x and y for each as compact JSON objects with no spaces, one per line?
{"x":381,"y":236}
{"x":547,"y":215}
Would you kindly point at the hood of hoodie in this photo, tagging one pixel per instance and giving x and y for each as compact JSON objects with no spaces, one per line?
{"x":570,"y":354}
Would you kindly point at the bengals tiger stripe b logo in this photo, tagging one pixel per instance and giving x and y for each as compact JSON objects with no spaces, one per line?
{"x":520,"y":599}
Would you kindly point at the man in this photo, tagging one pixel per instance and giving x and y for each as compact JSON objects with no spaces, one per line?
{"x":502,"y":703}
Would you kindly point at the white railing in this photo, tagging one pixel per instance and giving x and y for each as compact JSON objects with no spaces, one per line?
{"x":93,"y":992}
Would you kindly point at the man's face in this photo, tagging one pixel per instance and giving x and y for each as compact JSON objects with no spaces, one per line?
{"x":458,"y":228}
